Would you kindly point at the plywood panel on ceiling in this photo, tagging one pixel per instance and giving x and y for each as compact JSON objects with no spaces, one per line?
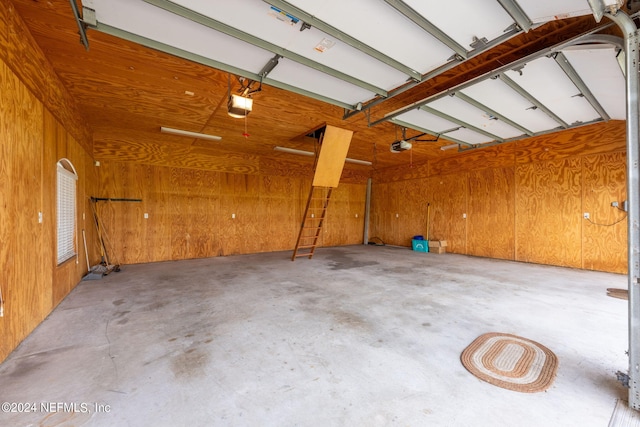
{"x":333,"y":151}
{"x":448,"y":199}
{"x":605,"y":236}
{"x":491,"y":211}
{"x":548,"y":212}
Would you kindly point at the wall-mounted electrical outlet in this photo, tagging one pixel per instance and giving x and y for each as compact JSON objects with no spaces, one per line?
{"x":233,"y":216}
{"x":586,"y":215}
{"x":146,"y":215}
{"x":464,"y":216}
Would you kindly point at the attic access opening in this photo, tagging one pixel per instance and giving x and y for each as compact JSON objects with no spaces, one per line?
{"x":314,"y":136}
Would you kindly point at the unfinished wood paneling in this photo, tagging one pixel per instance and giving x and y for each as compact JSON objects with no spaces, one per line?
{"x":402,"y":173}
{"x":239,"y":198}
{"x":277,"y":212}
{"x":594,"y":139}
{"x":490,"y":217}
{"x":547,"y":216}
{"x":342,"y":227}
{"x":604,"y":236}
{"x":195,"y":220}
{"x":333,"y":152}
{"x":176,"y":155}
{"x":384,"y":205}
{"x":20,"y":52}
{"x":497,"y":156}
{"x":26,"y":288}
{"x":448,"y":199}
{"x":157,"y":203}
{"x":412,"y":209}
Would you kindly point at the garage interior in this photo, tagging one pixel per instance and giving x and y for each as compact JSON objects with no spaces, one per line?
{"x":498,"y":136}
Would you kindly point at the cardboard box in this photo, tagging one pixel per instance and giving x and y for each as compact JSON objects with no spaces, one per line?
{"x":437,"y":243}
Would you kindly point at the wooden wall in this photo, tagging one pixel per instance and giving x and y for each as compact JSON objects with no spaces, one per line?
{"x":33,"y":140}
{"x":196,"y":213}
{"x":523,"y":201}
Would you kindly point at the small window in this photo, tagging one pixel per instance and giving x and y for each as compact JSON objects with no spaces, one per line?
{"x":66,"y":210}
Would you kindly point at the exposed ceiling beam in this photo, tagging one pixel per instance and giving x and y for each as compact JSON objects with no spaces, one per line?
{"x":518,"y":15}
{"x":587,"y":37}
{"x":492,"y":112}
{"x":344,"y":37}
{"x":454,"y":62}
{"x":571,"y":72}
{"x":263,"y":44}
{"x":423,"y":23}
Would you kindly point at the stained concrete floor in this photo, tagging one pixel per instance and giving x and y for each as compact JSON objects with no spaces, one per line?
{"x":358,"y":336}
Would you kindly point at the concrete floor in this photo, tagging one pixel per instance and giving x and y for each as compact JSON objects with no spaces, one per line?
{"x":358,"y":336}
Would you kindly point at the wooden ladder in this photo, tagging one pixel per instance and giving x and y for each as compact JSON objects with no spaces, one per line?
{"x":314,"y":215}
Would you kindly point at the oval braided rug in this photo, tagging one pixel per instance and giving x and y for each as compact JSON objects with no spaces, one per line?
{"x":511,"y":362}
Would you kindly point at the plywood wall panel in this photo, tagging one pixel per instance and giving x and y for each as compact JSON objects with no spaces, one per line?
{"x":497,"y":156}
{"x":490,"y":213}
{"x":381,"y":201}
{"x":335,"y":227}
{"x":156,"y":201}
{"x":357,"y":202}
{"x":548,"y":219}
{"x":604,"y":237}
{"x":278,"y":202}
{"x":412,"y":210}
{"x":195,"y":223}
{"x":594,"y":139}
{"x":175,"y":155}
{"x":448,"y":199}
{"x":26,"y":291}
{"x":402,"y":173}
{"x":22,"y":55}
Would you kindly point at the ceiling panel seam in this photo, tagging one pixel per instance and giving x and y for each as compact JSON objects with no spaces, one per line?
{"x":180,"y":53}
{"x":573,"y":75}
{"x":492,"y":112}
{"x":536,"y":103}
{"x":454,"y":62}
{"x":426,"y":25}
{"x":263,"y":44}
{"x":460,"y":122}
{"x":588,"y":36}
{"x":340,"y":35}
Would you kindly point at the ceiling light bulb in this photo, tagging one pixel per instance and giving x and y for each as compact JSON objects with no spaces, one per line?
{"x":239,"y":106}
